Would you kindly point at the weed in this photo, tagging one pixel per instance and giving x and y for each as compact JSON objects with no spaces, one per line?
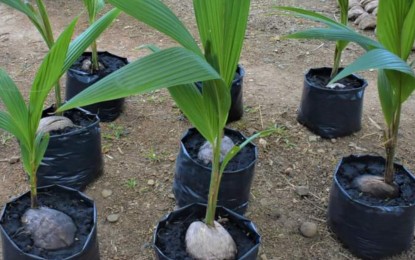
{"x":5,"y":137}
{"x":131,"y":183}
{"x":115,"y":132}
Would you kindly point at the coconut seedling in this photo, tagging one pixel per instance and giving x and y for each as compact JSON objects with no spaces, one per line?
{"x":39,"y":17}
{"x":396,"y":82}
{"x":50,"y":229}
{"x":93,"y":7}
{"x":221,"y":25}
{"x":340,"y":44}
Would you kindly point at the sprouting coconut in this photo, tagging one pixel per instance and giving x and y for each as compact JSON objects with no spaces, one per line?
{"x":206,"y":152}
{"x":50,"y":229}
{"x":53,"y":123}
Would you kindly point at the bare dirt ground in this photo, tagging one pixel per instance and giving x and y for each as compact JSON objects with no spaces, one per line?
{"x":140,"y":147}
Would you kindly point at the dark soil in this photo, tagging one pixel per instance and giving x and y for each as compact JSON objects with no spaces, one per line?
{"x":79,"y":117}
{"x":171,"y":238}
{"x":320,"y":77}
{"x":243,"y":159}
{"x":79,"y":210}
{"x":349,"y":171}
{"x":110,"y":62}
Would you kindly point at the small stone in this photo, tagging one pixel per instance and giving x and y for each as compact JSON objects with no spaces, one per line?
{"x":355,"y":12}
{"x":264,"y":257}
{"x":263,"y":143}
{"x":275,"y":213}
{"x":313,"y":138}
{"x":265,"y":202}
{"x":302,"y":190}
{"x":14,"y":159}
{"x":371,"y":6}
{"x":151,"y":182}
{"x":112,"y":218}
{"x":320,"y":150}
{"x":86,"y":65}
{"x":171,"y":196}
{"x":106,"y":193}
{"x":308,"y":229}
{"x":333,"y":140}
{"x":288,"y":171}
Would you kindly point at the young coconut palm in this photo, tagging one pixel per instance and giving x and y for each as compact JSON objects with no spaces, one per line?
{"x":396,"y":82}
{"x":222,"y":25}
{"x":39,"y":17}
{"x":94,"y":7}
{"x":23,"y":122}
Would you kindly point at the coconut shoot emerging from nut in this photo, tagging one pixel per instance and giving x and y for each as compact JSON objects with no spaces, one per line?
{"x":206,"y":152}
{"x":205,"y":242}
{"x":376,"y":187}
{"x":50,"y":229}
{"x":53,"y":123}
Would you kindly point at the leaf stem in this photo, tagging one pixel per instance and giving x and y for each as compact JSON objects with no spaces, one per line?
{"x":215,"y":179}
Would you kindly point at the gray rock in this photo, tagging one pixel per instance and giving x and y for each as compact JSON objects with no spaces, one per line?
{"x":309,"y":229}
{"x":112,"y":218}
{"x":302,"y":190}
{"x":106,"y":193}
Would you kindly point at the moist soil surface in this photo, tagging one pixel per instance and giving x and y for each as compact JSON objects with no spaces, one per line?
{"x":79,"y":210}
{"x":140,"y":147}
{"x":79,"y":118}
{"x":320,"y":77}
{"x":349,"y":171}
{"x":109,"y":62}
{"x":243,"y":159}
{"x":171,"y":236}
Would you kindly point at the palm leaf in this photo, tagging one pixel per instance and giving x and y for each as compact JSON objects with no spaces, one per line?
{"x":157,"y":15}
{"x":396,"y":26}
{"x":334,"y":32}
{"x":48,"y":74}
{"x":8,"y":124}
{"x":17,"y":122}
{"x":170,"y":67}
{"x":222,"y":26}
{"x":386,"y":93}
{"x":375,"y":59}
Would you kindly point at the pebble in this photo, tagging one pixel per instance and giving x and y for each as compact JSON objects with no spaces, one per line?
{"x":264,"y":257}
{"x":288,"y":171}
{"x":151,"y":182}
{"x":302,"y":190}
{"x":313,"y":138}
{"x":308,"y":229}
{"x":333,"y":140}
{"x":106,"y":193}
{"x":276,"y":213}
{"x":112,"y":218}
{"x":171,"y":196}
{"x":263,"y":143}
{"x":14,"y":159}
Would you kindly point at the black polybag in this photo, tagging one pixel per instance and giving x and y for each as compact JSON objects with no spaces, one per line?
{"x":90,"y":251}
{"x":331,"y":113}
{"x":78,"y":80}
{"x":236,"y":110}
{"x":192,"y":179}
{"x":73,"y":159}
{"x":370,"y":232}
{"x":197,"y":211}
